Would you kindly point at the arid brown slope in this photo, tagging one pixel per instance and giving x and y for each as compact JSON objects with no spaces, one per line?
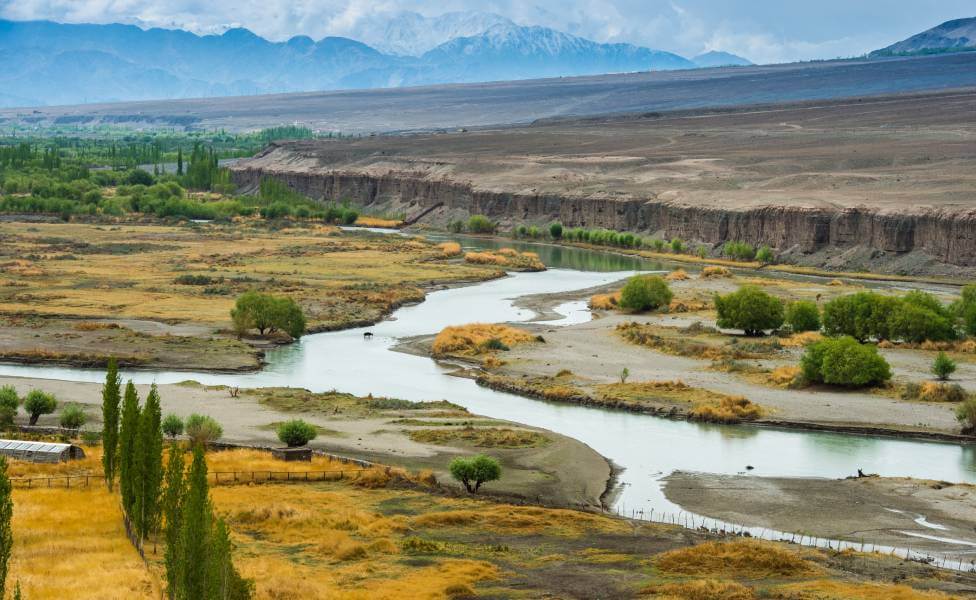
{"x":887,"y":176}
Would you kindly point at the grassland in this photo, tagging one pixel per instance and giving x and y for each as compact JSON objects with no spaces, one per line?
{"x":162,"y":294}
{"x":393,"y":534}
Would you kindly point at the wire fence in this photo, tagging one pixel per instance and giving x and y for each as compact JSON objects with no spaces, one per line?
{"x":727,"y":528}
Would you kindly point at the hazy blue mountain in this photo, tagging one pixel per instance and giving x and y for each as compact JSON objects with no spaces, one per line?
{"x":720,"y":59}
{"x":49,"y":63}
{"x":952,"y":36}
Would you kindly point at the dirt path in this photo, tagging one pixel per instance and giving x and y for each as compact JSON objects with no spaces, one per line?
{"x":562,"y":471}
{"x":877,"y":511}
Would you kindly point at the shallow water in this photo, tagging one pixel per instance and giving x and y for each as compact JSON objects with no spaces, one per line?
{"x":645,"y":447}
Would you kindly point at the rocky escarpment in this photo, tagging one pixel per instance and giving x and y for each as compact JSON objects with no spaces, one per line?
{"x":945,"y":235}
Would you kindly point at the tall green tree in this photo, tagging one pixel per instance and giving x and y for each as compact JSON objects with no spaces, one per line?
{"x":128,"y":430}
{"x":197,"y":522}
{"x":111,"y":399}
{"x":172,"y":508}
{"x":179,"y":162}
{"x":224,"y":582}
{"x":147,"y":471}
{"x":6,"y":528}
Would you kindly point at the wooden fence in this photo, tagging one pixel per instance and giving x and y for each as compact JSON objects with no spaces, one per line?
{"x":214,"y":477}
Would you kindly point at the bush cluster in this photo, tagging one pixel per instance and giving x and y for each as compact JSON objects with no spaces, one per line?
{"x":914,"y":317}
{"x":645,"y":292}
{"x":803,"y":315}
{"x":267,"y":313}
{"x":749,"y":309}
{"x":845,"y":362}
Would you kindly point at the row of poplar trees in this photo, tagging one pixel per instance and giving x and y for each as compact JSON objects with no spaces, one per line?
{"x":173,"y":502}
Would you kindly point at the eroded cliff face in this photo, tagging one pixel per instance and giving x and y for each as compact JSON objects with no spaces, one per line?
{"x":948,"y":236}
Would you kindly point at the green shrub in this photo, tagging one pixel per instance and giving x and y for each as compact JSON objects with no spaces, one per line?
{"x":296,"y":433}
{"x":172,"y":425}
{"x":765,"y":255}
{"x":803,"y":315}
{"x":739,"y":250}
{"x":349,"y":216}
{"x":943,"y":366}
{"x":456,"y":226}
{"x":919,"y":317}
{"x":845,"y":362}
{"x":203,"y":429}
{"x":645,"y":292}
{"x":9,"y":398}
{"x":521,"y":231}
{"x":72,"y":416}
{"x":556,"y":230}
{"x":966,"y":414}
{"x":749,"y":309}
{"x":677,"y":246}
{"x":38,"y":403}
{"x":914,"y":317}
{"x":473,"y":472}
{"x":658,"y":244}
{"x":480,"y":224}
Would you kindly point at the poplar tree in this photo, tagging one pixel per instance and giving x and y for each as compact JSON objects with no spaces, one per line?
{"x":128,"y":430}
{"x":223,"y":579}
{"x":6,"y":528}
{"x":147,"y":466}
{"x":196,"y":527}
{"x":179,"y":161}
{"x":111,"y":397}
{"x":173,"y":516}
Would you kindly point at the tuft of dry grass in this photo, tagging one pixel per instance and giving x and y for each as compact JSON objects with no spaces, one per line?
{"x":700,"y":589}
{"x":449,"y":249}
{"x":481,"y":437}
{"x":605,"y":301}
{"x":366,"y":221}
{"x":677,"y":275}
{"x":507,"y":258}
{"x":933,"y":391}
{"x":713,"y":271}
{"x":478,"y":338}
{"x":71,"y":544}
{"x":730,"y":409}
{"x":801,"y":340}
{"x":784,"y":376}
{"x":752,"y":559}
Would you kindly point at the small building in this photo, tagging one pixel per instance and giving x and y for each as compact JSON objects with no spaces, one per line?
{"x":40,"y":452}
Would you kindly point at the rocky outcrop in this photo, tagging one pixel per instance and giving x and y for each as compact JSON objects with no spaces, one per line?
{"x":948,"y":236}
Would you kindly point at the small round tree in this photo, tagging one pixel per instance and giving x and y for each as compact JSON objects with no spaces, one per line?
{"x":9,"y":401}
{"x":966,"y":414}
{"x":943,"y":366}
{"x":475,"y":471}
{"x":843,"y":361}
{"x":556,"y":230}
{"x":803,"y":315}
{"x":203,"y":429}
{"x":72,"y":416}
{"x":765,"y":255}
{"x":749,"y":309}
{"x":296,"y":433}
{"x":644,"y":292}
{"x":39,"y":403}
{"x":172,"y":425}
{"x":677,"y":246}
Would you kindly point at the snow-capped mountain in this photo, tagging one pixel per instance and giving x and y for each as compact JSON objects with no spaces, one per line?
{"x":412,"y":34}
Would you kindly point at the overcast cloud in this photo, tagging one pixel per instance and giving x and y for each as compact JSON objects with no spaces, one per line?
{"x":762,"y":30}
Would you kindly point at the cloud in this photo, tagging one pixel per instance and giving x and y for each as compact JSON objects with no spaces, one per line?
{"x":762,"y":30}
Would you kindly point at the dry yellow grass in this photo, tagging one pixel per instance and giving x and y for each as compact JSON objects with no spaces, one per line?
{"x":702,"y":589}
{"x":801,"y":340}
{"x":730,"y":409}
{"x":840,"y":590}
{"x":743,"y":558}
{"x":129,"y":271}
{"x":677,"y":275}
{"x":478,"y":338}
{"x":366,"y":221}
{"x":449,"y":249}
{"x":71,"y":544}
{"x":605,"y":301}
{"x":480,"y":437}
{"x":508,"y":258}
{"x":713,"y":271}
{"x":783,"y":376}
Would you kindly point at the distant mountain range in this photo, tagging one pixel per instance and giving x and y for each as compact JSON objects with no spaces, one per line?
{"x":47,"y":63}
{"x":958,"y":35}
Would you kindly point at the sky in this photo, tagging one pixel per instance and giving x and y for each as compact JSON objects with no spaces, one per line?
{"x":764,"y":31}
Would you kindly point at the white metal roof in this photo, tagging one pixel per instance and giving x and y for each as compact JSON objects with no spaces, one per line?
{"x":22,"y":446}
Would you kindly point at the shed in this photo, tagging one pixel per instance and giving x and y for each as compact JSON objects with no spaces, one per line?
{"x":40,"y":452}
